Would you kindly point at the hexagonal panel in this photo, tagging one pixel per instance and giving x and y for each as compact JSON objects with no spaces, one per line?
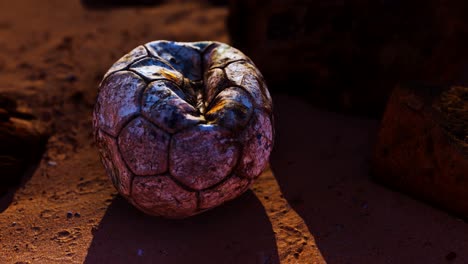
{"x":154,"y":69}
{"x":118,"y":101}
{"x":231,"y":109}
{"x":136,"y":54}
{"x":162,"y":106}
{"x":258,"y":144}
{"x":228,"y":190}
{"x":202,"y":156}
{"x":215,"y":80}
{"x":144,"y":147}
{"x":183,"y":57}
{"x":160,"y":195}
{"x":220,"y":54}
{"x":244,"y":74}
{"x":115,"y":167}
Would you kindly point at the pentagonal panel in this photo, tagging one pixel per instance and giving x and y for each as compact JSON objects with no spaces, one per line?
{"x":153,"y":69}
{"x":219,"y":55}
{"x":144,"y":147}
{"x":136,"y":54}
{"x":202,"y":156}
{"x":228,"y":190}
{"x":162,"y":106}
{"x":231,"y":109}
{"x":258,"y":144}
{"x":244,"y":74}
{"x":160,"y":195}
{"x":115,"y":167}
{"x":183,"y":57}
{"x":215,"y":80}
{"x":118,"y":101}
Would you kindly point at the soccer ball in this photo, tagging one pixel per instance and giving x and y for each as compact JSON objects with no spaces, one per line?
{"x":183,"y":127}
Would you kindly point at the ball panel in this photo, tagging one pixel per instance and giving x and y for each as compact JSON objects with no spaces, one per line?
{"x":136,"y":54}
{"x":118,"y":101}
{"x":115,"y":167}
{"x":202,"y":156}
{"x":160,"y":195}
{"x":153,"y":69}
{"x":215,"y":81}
{"x":184,"y":57}
{"x":230,"y":109}
{"x":144,"y":147}
{"x":243,"y":74}
{"x":189,"y":93}
{"x":162,"y":106}
{"x":264,"y":90}
{"x":258,"y":138}
{"x":228,"y":190}
{"x":218,"y":55}
{"x":202,"y":45}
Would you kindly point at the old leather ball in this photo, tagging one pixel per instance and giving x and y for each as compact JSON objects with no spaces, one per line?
{"x":183,"y":127}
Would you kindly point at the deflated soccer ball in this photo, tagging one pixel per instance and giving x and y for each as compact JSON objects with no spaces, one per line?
{"x":183,"y":127}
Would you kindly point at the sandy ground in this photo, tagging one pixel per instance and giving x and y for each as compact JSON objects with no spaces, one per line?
{"x":316,"y":205}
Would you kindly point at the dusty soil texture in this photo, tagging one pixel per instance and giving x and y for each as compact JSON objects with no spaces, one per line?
{"x":315,"y":205}
{"x":22,"y":142}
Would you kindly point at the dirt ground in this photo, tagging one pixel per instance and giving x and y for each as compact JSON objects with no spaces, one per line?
{"x":317,"y":203}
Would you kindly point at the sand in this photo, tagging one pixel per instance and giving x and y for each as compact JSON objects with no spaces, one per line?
{"x":317,"y":203}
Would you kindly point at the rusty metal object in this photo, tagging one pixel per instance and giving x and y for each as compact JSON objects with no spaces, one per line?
{"x":422,"y":147}
{"x":183,"y":127}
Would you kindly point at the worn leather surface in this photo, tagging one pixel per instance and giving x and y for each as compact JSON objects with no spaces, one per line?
{"x":183,"y":127}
